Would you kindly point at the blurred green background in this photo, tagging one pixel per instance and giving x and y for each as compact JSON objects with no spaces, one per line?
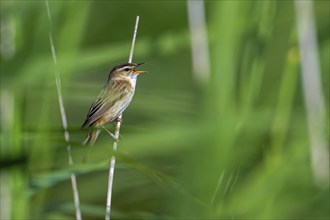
{"x":233,"y":147}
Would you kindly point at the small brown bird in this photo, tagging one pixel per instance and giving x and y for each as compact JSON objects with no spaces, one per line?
{"x":114,"y":98}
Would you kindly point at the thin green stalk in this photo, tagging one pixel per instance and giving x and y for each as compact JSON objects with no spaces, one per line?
{"x":117,"y":131}
{"x":64,"y":121}
{"x":312,"y":88}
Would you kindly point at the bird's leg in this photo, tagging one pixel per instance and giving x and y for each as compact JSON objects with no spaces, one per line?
{"x":111,"y":135}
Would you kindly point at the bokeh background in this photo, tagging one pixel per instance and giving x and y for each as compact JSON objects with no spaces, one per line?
{"x":218,"y":128}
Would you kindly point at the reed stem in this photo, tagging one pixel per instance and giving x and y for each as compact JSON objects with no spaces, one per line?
{"x":63,"y":117}
{"x":117,"y":132}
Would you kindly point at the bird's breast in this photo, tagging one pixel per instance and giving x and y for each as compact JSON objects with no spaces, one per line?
{"x":123,"y":86}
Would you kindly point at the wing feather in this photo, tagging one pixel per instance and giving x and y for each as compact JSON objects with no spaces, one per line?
{"x":106,"y":100}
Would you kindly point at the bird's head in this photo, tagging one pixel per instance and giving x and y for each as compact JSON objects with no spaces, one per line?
{"x":126,"y":71}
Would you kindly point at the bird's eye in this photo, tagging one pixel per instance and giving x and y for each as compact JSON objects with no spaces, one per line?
{"x":126,"y":69}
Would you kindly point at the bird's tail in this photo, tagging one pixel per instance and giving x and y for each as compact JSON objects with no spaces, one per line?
{"x":89,"y":141}
{"x":91,"y":137}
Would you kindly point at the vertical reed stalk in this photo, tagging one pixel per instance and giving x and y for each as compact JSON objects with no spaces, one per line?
{"x":64,"y":120}
{"x":199,"y":41}
{"x":117,"y":131}
{"x":312,"y":88}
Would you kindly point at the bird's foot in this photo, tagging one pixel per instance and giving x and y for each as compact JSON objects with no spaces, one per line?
{"x":119,"y":119}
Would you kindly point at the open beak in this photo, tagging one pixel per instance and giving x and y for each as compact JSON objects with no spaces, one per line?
{"x":138,"y":71}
